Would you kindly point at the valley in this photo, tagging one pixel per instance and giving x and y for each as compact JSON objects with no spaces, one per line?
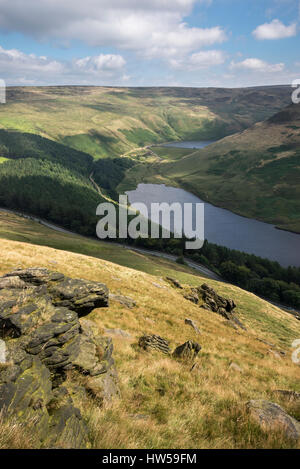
{"x":149,"y":230}
{"x":254,"y":173}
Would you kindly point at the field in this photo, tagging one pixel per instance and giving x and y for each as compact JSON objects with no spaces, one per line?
{"x":108,"y":122}
{"x":163,"y":403}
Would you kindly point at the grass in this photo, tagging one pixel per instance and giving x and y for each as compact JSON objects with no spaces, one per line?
{"x":254,"y":173}
{"x":172,"y":153}
{"x":163,"y":403}
{"x":107,"y":122}
{"x":13,"y":227}
{"x":16,"y":435}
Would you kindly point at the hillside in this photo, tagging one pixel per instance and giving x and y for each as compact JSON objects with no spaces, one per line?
{"x":163,"y":404}
{"x":108,"y":122}
{"x":254,"y":173}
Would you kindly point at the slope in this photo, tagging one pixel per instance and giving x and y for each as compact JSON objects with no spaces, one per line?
{"x":255,"y":173}
{"x":163,"y":403}
{"x":105,"y":121}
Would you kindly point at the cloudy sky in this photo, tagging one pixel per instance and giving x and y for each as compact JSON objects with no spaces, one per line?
{"x":150,"y":42}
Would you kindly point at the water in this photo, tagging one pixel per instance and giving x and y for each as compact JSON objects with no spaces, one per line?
{"x":192,"y":144}
{"x":224,"y":228}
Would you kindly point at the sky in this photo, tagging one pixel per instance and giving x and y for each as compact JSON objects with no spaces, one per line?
{"x":199,"y":43}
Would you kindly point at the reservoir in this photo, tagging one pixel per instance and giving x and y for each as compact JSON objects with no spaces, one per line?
{"x":225,"y":228}
{"x":192,"y":144}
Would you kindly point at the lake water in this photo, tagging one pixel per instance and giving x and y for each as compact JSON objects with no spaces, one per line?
{"x":192,"y":144}
{"x":228,"y":229}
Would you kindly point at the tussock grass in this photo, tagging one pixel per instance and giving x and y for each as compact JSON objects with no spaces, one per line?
{"x":16,"y":435}
{"x":163,"y":403}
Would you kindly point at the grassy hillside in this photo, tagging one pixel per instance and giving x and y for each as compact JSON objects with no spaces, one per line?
{"x":163,"y":403}
{"x":105,"y":121}
{"x":255,"y":173}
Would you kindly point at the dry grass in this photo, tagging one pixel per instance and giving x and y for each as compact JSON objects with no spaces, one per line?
{"x":16,"y":435}
{"x":163,"y":404}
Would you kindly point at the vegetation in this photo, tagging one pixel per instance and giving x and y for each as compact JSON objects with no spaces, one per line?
{"x":109,"y":172}
{"x":107,"y":122}
{"x":254,"y":173}
{"x":50,"y":191}
{"x":261,"y":276}
{"x":163,"y":403}
{"x":47,"y":169}
{"x":15,"y":145}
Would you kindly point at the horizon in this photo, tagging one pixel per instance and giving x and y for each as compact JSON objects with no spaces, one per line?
{"x":143,"y":87}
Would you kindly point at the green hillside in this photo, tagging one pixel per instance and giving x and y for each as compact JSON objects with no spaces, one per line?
{"x":108,"y":122}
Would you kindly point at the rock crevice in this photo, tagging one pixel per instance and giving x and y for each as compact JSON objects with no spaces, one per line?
{"x":43,"y":336}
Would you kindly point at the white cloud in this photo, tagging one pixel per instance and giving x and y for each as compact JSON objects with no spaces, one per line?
{"x":199,"y":60}
{"x":18,"y":67}
{"x":153,"y":28}
{"x":104,"y":62}
{"x":275,"y":30}
{"x":257,"y":65}
{"x":14,"y":61}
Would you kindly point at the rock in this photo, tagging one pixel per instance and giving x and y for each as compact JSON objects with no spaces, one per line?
{"x":265,"y":342}
{"x":191,"y":323}
{"x":174,"y":282}
{"x":118,"y":332}
{"x":188,"y":350}
{"x":35,"y":275}
{"x":123,"y":300}
{"x":275,"y":354}
{"x":215,"y":301}
{"x":192,"y":296}
{"x":78,"y":295}
{"x":271,"y":417}
{"x":290,"y":395}
{"x":235,"y":367}
{"x":155,"y":342}
{"x":205,"y":307}
{"x":157,"y":285}
{"x":68,"y":429}
{"x":43,"y":339}
{"x":103,"y":387}
{"x":12,"y":282}
{"x":219,"y":304}
{"x":2,"y":352}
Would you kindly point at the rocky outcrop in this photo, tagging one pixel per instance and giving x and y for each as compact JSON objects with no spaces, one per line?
{"x":211,"y":301}
{"x":174,"y":282}
{"x":188,"y":350}
{"x":271,"y":417}
{"x":45,"y":337}
{"x":123,"y":300}
{"x":155,"y":342}
{"x":81,"y":296}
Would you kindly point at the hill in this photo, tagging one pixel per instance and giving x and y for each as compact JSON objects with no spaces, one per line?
{"x":254,"y":173}
{"x":108,"y":122}
{"x":163,"y":403}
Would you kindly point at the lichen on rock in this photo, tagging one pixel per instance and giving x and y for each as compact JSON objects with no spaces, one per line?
{"x":42,"y":337}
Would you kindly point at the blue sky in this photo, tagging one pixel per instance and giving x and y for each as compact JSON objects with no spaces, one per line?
{"x":150,"y":42}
